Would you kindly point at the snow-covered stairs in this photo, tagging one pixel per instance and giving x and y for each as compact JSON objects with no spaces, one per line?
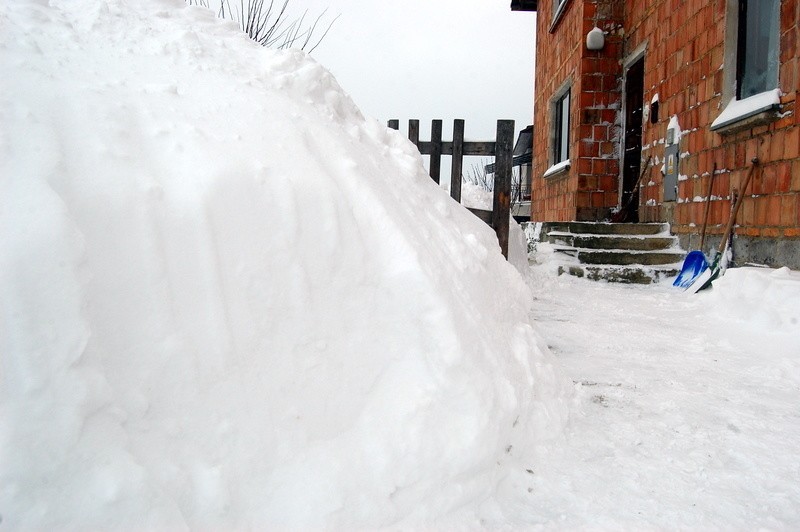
{"x":640,"y":253}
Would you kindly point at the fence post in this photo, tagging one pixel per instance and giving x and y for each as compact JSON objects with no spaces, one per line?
{"x":458,"y":159}
{"x":503,"y":162}
{"x":413,"y":131}
{"x":394,"y":124}
{"x":436,"y":149}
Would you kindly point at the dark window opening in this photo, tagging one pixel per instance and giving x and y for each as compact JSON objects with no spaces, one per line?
{"x":561,"y":141}
{"x":757,"y":54}
{"x":559,"y":6}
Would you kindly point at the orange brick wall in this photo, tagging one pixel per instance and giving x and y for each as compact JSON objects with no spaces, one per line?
{"x":684,"y":64}
{"x":685,"y":57}
{"x":600,"y":104}
{"x":554,"y":198}
{"x":591,"y":187}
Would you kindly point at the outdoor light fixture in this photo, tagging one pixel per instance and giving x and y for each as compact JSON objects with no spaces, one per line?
{"x":595,"y":40}
{"x":524,"y":5}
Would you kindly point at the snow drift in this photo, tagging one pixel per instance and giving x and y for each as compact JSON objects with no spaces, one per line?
{"x":228,"y":299}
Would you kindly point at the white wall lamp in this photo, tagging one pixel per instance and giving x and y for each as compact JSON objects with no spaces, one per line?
{"x":595,"y":40}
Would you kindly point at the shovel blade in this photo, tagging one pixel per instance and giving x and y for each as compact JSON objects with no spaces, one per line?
{"x":694,"y":265}
{"x":705,"y":279}
{"x":700,"y":282}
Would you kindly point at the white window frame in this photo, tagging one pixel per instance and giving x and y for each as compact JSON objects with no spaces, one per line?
{"x":561,"y":163}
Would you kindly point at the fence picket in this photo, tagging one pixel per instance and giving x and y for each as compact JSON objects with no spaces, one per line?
{"x":504,"y":159}
{"x":436,"y":150}
{"x":458,"y":159}
{"x":413,"y":132}
{"x":501,"y":148}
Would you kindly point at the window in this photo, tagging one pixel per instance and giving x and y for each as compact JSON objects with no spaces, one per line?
{"x":559,"y":6}
{"x":752,"y":58}
{"x":757,"y":47}
{"x":561,"y":128}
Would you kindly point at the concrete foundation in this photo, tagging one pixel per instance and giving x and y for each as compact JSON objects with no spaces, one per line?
{"x":772,"y":252}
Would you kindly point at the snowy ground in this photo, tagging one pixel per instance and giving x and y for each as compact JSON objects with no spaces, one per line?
{"x":689,"y":411}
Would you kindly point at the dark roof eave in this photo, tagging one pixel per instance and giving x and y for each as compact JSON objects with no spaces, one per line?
{"x":516,"y":161}
{"x":524,"y":5}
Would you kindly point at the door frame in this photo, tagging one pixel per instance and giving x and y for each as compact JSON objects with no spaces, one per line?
{"x":639,"y":54}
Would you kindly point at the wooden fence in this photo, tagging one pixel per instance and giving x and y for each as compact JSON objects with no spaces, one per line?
{"x":502,"y":150}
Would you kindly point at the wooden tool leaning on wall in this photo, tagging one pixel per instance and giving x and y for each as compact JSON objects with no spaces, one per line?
{"x":705,"y":279}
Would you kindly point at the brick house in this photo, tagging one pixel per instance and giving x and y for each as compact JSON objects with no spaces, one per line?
{"x":687,"y":87}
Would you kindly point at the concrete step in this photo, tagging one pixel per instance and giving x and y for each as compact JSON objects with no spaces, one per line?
{"x":622,"y":242}
{"x":605,"y":228}
{"x":622,"y":253}
{"x":628,"y":258}
{"x":618,"y":274}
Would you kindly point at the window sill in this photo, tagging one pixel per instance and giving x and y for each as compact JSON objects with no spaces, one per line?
{"x":558,"y":15}
{"x":756,"y":110}
{"x":557,"y":169}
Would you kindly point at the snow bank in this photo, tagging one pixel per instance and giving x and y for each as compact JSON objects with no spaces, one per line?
{"x":761,"y":299}
{"x":229,"y":300}
{"x":475,"y":196}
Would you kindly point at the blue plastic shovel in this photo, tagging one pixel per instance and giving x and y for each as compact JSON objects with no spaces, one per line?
{"x":696,"y":273}
{"x":694,"y":265}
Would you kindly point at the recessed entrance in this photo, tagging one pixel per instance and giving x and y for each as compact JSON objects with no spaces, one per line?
{"x":632,"y":154}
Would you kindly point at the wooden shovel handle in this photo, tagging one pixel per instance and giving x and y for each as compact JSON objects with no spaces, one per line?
{"x":644,"y":171}
{"x":708,"y":206}
{"x":736,"y":206}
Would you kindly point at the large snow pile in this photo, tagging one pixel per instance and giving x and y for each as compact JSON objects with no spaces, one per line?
{"x":228,"y":299}
{"x":761,"y":299}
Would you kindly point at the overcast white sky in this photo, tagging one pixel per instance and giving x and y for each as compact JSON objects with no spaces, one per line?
{"x":470,"y":59}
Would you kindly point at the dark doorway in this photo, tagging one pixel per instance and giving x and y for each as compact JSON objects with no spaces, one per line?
{"x":632,"y":155}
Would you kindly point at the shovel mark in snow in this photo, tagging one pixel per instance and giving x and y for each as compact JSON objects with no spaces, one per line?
{"x":600,"y":400}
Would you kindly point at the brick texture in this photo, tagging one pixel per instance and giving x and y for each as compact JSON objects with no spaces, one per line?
{"x":684,"y":66}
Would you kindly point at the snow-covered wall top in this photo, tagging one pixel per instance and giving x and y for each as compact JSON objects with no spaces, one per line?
{"x":227,"y":299}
